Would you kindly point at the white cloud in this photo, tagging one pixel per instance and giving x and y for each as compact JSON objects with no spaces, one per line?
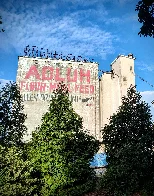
{"x":65,"y":33}
{"x":85,"y":3}
{"x":42,"y":24}
{"x":143,"y":66}
{"x":91,"y":2}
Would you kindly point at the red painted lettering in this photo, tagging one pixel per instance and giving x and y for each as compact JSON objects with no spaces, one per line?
{"x":76,"y":87}
{"x":37,"y":86}
{"x":53,"y":86}
{"x":42,"y":87}
{"x":57,"y":76}
{"x":91,"y":89}
{"x":33,"y":72}
{"x":74,"y":79}
{"x":82,"y":74}
{"x":27,"y":86}
{"x":69,"y":89}
{"x":22,"y":84}
{"x":86,"y":89}
{"x":32,"y":86}
{"x":44,"y":72}
{"x":81,"y":88}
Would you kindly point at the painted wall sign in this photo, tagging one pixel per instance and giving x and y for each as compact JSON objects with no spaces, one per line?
{"x":47,"y":73}
{"x":48,"y":97}
{"x":38,"y":77}
{"x":42,"y":80}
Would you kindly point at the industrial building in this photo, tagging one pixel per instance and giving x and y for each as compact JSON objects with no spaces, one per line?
{"x":95,"y":99}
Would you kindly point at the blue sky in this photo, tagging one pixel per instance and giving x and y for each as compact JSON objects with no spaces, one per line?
{"x":99,"y":29}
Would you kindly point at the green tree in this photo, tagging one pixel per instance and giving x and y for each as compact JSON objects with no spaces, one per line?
{"x":128,"y":143}
{"x":16,"y":175}
{"x":12,"y":118}
{"x":61,"y":150}
{"x":145,"y":10}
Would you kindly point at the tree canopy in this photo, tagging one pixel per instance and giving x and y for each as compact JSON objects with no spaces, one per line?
{"x":61,"y":150}
{"x":129,"y":140}
{"x":12,"y":117}
{"x":145,"y":10}
{"x":16,"y":176}
{"x":56,"y":160}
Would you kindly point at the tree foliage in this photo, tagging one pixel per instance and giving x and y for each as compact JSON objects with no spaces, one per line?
{"x":61,"y":151}
{"x":16,"y":175}
{"x":128,"y":143}
{"x":145,"y":10}
{"x":12,"y":118}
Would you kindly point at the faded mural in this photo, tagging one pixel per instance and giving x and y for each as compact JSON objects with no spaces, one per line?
{"x":94,"y":99}
{"x":38,"y":77}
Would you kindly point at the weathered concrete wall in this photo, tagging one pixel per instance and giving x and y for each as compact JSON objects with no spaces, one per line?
{"x":114,"y":85}
{"x":106,"y":99}
{"x":93,"y":99}
{"x":123,"y":66}
{"x":37,"y":79}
